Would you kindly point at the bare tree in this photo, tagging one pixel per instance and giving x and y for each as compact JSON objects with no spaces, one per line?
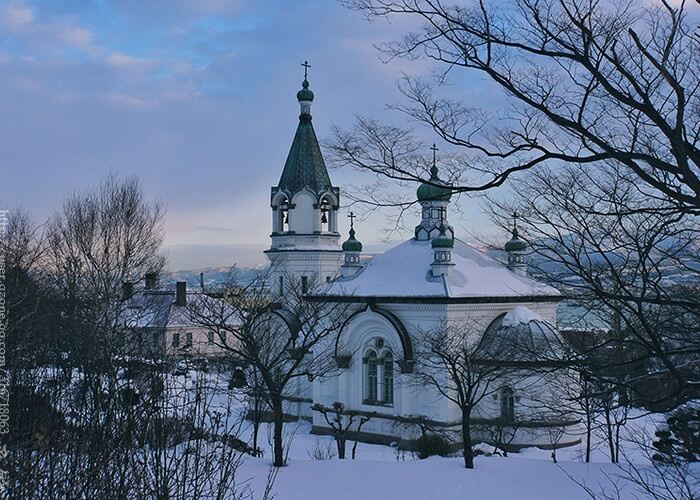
{"x":501,"y":433}
{"x":634,"y":265}
{"x":341,"y":421}
{"x":285,"y":343}
{"x":585,"y":82}
{"x":87,"y":421}
{"x":450,"y":360}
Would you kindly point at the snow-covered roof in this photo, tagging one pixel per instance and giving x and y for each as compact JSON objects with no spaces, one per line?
{"x":522,"y":335}
{"x":519,"y":315}
{"x":158,"y":309}
{"x":404,"y":271}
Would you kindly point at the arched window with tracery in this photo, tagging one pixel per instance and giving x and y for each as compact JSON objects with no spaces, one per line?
{"x":507,"y":404}
{"x":371,"y":377}
{"x":388,"y":382}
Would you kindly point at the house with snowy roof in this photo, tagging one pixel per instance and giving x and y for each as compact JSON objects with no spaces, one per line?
{"x":163,"y":322}
{"x":432,"y":279}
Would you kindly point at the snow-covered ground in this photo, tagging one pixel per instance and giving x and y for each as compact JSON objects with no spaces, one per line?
{"x":378,"y":473}
{"x":382,"y":472}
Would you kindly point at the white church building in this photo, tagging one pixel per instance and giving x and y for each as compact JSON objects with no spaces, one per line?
{"x":434,"y":278}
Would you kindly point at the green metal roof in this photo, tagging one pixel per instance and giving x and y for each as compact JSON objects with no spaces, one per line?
{"x":435,"y":190}
{"x":305,"y":94}
{"x":442,"y":240}
{"x":352,"y":244}
{"x":305,"y":166}
{"x":515,"y":244}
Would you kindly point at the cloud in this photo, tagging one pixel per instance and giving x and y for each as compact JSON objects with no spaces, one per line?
{"x":119,"y":60}
{"x":74,"y":36}
{"x":15,"y":17}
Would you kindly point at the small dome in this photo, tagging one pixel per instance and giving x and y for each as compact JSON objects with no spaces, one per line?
{"x":305,"y":94}
{"x":442,"y":240}
{"x":515,"y":244}
{"x":436,"y":190}
{"x":352,"y":244}
{"x":522,"y":336}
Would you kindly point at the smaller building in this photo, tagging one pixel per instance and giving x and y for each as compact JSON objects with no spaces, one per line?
{"x":160,"y":322}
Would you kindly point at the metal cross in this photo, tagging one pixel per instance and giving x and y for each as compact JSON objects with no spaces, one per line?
{"x":434,"y":149}
{"x":352,"y":219}
{"x":515,"y":219}
{"x":306,"y":68}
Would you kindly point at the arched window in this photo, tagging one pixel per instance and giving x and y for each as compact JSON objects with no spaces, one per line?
{"x":327,"y":215}
{"x":507,"y":404}
{"x":371,"y":381}
{"x":388,"y":382}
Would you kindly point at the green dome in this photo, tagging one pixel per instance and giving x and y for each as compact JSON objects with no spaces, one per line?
{"x":442,"y":241}
{"x":515,"y":244}
{"x":305,"y":94}
{"x":433,"y":192}
{"x":351,"y":244}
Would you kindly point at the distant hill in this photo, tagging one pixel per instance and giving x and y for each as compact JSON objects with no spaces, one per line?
{"x":213,"y":277}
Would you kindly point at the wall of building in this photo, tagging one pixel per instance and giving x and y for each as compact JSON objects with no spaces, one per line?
{"x":410,"y":398}
{"x":203,"y":344}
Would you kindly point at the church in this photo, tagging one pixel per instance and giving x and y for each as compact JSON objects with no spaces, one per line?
{"x":431,"y":279}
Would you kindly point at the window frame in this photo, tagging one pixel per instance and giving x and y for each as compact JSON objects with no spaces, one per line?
{"x":507,"y":404}
{"x":378,"y":375}
{"x":388,"y":379}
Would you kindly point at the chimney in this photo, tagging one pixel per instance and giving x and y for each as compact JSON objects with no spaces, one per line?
{"x":127,"y":290}
{"x":151,"y":281}
{"x":181,"y":294}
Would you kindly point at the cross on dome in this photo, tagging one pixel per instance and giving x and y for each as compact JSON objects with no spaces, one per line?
{"x":434,"y":169}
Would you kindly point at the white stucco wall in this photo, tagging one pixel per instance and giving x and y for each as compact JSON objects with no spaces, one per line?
{"x":410,"y":399}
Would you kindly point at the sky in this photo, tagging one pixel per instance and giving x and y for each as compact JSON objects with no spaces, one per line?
{"x":195,"y":98}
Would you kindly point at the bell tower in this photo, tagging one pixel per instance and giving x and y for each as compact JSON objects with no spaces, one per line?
{"x":305,"y":238}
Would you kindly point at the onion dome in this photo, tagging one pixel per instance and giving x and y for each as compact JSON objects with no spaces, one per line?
{"x":435,"y":190}
{"x":442,"y":240}
{"x":352,"y":244}
{"x":515,"y":244}
{"x":305,"y":94}
{"x":522,"y":336}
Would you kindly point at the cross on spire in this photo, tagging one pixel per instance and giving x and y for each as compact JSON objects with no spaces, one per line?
{"x":434,"y":169}
{"x":306,"y":68}
{"x":352,"y":216}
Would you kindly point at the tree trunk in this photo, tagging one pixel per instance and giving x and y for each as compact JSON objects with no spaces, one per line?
{"x":357,"y":436}
{"x":609,"y":431}
{"x":256,"y":424}
{"x":340,"y":440}
{"x":588,"y":437}
{"x":278,"y":419}
{"x":467,"y":451}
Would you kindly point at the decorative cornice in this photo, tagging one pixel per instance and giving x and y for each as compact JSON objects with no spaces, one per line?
{"x":436,"y":299}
